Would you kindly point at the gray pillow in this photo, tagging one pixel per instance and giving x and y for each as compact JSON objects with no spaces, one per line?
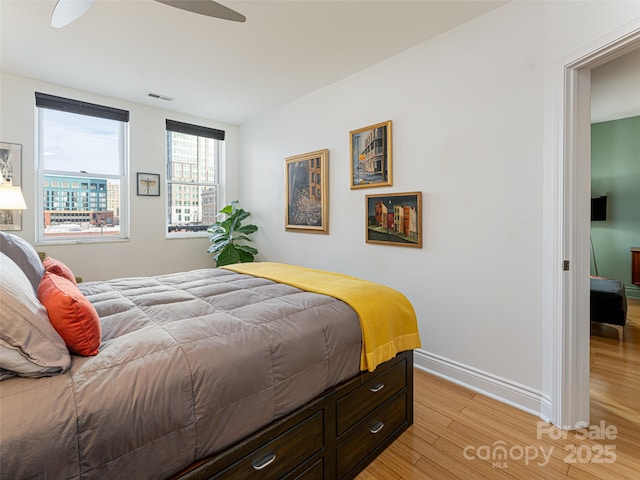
{"x":23,"y":255}
{"x":29,"y":345}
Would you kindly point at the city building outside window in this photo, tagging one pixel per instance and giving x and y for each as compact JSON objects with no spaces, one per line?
{"x":193,"y":159}
{"x":82,"y":171}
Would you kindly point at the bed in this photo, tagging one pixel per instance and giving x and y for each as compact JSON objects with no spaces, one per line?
{"x":212,"y":373}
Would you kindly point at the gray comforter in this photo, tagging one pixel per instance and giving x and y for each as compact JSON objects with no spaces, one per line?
{"x":189,"y":364}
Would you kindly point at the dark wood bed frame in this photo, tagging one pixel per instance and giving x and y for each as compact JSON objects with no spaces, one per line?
{"x":334,"y":437}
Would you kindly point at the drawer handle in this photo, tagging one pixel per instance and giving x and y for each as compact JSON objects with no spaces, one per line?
{"x":376,"y":428}
{"x":263,"y":462}
{"x":377,"y":387}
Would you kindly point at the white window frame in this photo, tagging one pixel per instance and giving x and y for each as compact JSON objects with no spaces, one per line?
{"x":41,"y":172}
{"x":184,"y":197}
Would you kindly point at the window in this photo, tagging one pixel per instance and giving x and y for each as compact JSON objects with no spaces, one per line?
{"x":82,"y":155}
{"x":193,"y":154}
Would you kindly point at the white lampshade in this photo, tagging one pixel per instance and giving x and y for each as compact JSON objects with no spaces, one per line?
{"x":11,"y":197}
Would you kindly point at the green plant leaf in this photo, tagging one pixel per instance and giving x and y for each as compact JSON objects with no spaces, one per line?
{"x":228,"y":210}
{"x":215,"y":237}
{"x":217,"y":247}
{"x":241,"y":237}
{"x":242,"y":214}
{"x":245,"y":257}
{"x":247,"y":249}
{"x":247,"y":229}
{"x":228,"y":256}
{"x":227,"y":222}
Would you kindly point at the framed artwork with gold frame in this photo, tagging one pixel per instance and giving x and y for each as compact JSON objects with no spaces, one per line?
{"x":394,"y":219}
{"x":371,"y":156}
{"x":307,"y":192}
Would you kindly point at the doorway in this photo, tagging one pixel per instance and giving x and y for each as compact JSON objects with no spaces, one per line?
{"x":571,"y":251}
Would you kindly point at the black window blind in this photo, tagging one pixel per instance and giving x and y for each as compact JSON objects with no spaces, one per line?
{"x":44,"y":100}
{"x":197,"y":130}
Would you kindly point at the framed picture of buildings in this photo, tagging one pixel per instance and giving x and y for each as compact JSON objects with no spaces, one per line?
{"x":148,"y":184}
{"x":11,"y":171}
{"x":370,"y":148}
{"x":394,"y":219}
{"x":307,"y":192}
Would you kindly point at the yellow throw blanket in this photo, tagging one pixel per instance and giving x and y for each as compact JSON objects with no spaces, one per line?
{"x":387,"y":318}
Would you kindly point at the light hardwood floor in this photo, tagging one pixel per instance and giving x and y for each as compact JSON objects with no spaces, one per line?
{"x":456,"y":431}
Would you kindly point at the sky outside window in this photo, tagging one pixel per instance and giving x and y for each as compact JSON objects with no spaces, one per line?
{"x":76,"y":143}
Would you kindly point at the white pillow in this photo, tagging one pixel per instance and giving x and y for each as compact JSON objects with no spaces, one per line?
{"x":29,"y":345}
{"x":24,"y":255}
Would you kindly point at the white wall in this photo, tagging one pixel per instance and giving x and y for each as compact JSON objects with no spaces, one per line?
{"x":474,"y":128}
{"x":615,"y":89}
{"x":147,"y":252}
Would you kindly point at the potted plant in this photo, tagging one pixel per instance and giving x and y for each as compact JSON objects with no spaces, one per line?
{"x":225,"y":234}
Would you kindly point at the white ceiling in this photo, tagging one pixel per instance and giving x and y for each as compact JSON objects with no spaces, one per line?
{"x":226,"y":71}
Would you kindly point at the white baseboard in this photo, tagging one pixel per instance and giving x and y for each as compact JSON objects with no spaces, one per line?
{"x":506,"y":391}
{"x":632,"y":292}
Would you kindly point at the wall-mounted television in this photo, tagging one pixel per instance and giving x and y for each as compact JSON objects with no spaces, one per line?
{"x":599,"y":209}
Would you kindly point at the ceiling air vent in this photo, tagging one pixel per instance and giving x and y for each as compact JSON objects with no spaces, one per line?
{"x":159,"y":97}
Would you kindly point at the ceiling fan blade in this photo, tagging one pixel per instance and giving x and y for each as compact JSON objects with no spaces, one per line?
{"x":206,"y":7}
{"x":66,"y":11}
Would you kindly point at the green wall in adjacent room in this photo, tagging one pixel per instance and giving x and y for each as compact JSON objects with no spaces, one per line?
{"x":615,"y":172}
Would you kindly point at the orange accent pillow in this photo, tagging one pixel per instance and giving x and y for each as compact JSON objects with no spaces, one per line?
{"x":57,"y":267}
{"x":71,"y":314}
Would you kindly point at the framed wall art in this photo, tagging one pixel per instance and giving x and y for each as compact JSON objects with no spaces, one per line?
{"x":307,"y":192}
{"x":394,"y":219}
{"x":370,"y":149}
{"x":11,"y":169}
{"x":148,"y":184}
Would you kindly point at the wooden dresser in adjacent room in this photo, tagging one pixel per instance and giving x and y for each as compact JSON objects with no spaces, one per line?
{"x":635,"y":265}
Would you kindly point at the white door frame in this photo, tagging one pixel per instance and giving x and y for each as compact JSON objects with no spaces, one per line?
{"x":569,"y":290}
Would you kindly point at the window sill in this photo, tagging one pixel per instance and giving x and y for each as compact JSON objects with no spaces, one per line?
{"x":80,"y":241}
{"x":182,"y":236}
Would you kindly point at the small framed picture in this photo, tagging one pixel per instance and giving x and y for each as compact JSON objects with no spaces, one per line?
{"x":395,"y":219}
{"x":370,"y":149}
{"x":307,"y":192}
{"x":11,"y":171}
{"x":148,"y":184}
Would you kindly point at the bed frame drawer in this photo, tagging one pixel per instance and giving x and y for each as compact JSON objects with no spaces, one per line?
{"x":314,"y":472}
{"x":283,"y":454}
{"x":354,"y":406}
{"x":371,"y":433}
